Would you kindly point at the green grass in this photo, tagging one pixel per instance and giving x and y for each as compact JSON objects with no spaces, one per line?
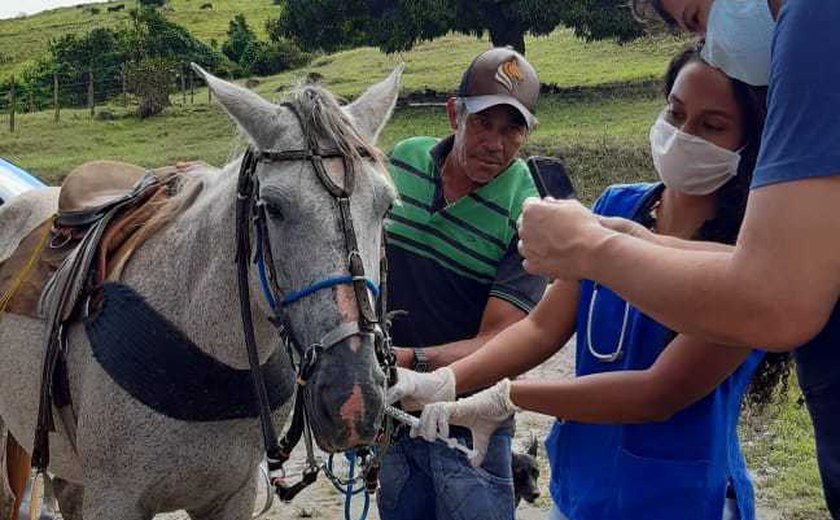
{"x":559,"y":58}
{"x":24,"y":39}
{"x":779,"y":447}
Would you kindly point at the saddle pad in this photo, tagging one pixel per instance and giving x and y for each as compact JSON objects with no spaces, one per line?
{"x":159,"y":366}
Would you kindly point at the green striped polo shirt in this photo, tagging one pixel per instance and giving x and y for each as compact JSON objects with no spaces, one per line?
{"x":447,"y":260}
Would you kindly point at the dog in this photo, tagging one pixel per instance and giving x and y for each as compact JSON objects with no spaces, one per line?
{"x":526,"y":472}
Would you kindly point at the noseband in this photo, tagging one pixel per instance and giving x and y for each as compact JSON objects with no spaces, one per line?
{"x":250,"y":211}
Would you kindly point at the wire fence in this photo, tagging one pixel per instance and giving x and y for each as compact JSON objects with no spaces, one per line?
{"x":91,"y":90}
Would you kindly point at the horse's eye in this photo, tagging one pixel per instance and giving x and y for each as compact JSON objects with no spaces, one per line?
{"x":273,"y":210}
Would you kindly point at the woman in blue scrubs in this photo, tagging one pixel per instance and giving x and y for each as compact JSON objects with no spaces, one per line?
{"x":648,"y":428}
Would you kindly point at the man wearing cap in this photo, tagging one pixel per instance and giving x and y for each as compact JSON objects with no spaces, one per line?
{"x":455,"y":269}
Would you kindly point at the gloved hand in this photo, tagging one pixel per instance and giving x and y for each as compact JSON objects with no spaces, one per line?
{"x":482,"y":413}
{"x":416,"y":389}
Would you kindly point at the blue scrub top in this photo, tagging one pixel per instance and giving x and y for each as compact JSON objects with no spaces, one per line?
{"x":679,"y":468}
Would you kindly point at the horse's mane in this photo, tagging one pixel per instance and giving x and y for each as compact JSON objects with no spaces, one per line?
{"x":323,"y":116}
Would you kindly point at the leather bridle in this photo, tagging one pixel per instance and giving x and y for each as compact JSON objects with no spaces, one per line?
{"x":251,"y":212}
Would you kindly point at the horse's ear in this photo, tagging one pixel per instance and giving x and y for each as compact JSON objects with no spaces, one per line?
{"x":257,"y":117}
{"x":372,"y":109}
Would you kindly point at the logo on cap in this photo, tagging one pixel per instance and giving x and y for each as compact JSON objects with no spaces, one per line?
{"x":508,"y":74}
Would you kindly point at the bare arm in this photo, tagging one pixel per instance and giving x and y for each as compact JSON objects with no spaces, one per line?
{"x":525,"y":344}
{"x":632,"y":228}
{"x":498,"y":315}
{"x":685,"y":372}
{"x":776,"y":289}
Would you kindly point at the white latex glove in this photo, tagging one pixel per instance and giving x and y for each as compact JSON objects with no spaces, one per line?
{"x":415,"y":389}
{"x":482,"y":413}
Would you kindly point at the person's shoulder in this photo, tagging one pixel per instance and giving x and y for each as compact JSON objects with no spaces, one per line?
{"x":413,"y":145}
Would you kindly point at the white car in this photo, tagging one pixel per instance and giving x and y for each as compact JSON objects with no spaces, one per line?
{"x":14,"y":181}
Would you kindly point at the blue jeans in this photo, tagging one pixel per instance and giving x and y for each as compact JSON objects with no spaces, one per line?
{"x":429,"y":481}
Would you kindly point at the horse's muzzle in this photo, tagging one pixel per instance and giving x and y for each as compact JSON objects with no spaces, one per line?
{"x":345,"y":396}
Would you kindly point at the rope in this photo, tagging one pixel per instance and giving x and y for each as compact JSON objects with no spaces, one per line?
{"x":24,"y":273}
{"x":325,"y":284}
{"x":349,"y":492}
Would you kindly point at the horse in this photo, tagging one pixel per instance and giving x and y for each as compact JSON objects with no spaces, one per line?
{"x":125,"y":458}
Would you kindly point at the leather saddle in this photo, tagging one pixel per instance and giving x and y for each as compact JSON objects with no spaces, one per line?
{"x":94,"y":187}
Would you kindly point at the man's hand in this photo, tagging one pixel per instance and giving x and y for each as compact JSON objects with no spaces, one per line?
{"x":482,"y":413}
{"x":628,"y":227}
{"x":557,"y":236}
{"x":415,"y":390}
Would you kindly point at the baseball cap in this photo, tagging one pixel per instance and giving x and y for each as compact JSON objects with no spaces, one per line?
{"x":501,"y":76}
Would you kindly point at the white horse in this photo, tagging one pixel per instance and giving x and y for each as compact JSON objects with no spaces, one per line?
{"x":133,"y":461}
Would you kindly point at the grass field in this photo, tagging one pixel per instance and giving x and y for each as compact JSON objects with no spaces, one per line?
{"x":599,"y":126}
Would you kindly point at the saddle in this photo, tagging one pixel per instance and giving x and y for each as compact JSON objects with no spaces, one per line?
{"x":101,"y":207}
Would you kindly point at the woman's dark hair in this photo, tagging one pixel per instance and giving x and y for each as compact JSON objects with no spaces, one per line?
{"x":731,"y":205}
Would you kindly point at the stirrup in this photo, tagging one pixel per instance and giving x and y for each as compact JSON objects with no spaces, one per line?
{"x":38,"y":501}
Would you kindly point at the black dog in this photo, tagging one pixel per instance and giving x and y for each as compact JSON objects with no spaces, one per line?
{"x":526,"y":471}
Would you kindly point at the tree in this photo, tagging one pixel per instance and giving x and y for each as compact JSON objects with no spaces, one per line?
{"x":397,"y":25}
{"x":240,"y":37}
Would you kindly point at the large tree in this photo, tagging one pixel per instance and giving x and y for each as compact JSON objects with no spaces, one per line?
{"x":397,"y":25}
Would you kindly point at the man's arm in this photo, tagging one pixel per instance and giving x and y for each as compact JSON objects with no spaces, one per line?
{"x":776,"y":289}
{"x":498,"y":315}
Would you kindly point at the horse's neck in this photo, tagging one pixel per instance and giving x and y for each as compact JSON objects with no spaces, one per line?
{"x":187,"y":272}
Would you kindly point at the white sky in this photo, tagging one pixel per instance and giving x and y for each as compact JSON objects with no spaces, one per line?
{"x":11,"y":8}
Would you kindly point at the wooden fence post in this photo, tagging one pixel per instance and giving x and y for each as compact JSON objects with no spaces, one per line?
{"x":12,"y":106}
{"x":124,"y":90}
{"x":90,"y":92}
{"x":183,"y":86}
{"x":192,"y":85}
{"x":55,"y":96}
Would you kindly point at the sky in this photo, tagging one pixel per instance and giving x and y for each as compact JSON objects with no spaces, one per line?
{"x":11,"y":8}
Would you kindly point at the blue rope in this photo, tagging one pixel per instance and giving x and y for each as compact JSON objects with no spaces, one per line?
{"x":306,"y":291}
{"x":326,"y":284}
{"x":348,"y":494}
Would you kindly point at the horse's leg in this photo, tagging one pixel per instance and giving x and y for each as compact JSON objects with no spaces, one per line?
{"x":7,"y":498}
{"x":239,"y":505}
{"x":70,"y":498}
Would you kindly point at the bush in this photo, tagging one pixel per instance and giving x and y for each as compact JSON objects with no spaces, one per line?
{"x":264,"y":58}
{"x":151,"y":81}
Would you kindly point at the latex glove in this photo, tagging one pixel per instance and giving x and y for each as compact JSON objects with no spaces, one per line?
{"x":482,"y":413}
{"x":415,"y":389}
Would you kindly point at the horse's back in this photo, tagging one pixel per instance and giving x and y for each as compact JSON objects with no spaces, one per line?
{"x":22,"y":214}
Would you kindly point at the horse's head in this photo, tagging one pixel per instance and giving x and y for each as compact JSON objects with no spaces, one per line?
{"x":308,"y":242}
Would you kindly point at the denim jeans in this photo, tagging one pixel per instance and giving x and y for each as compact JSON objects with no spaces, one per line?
{"x":429,"y":481}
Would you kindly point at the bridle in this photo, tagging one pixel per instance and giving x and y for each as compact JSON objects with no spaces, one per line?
{"x":251,"y":212}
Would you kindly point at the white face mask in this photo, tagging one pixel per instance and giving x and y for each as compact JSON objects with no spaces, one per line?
{"x":689,"y":164}
{"x":739,"y":34}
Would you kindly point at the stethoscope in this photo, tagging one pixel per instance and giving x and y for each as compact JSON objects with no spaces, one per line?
{"x":619,"y":350}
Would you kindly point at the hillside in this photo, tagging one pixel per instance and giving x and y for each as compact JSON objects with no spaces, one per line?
{"x":23,"y":39}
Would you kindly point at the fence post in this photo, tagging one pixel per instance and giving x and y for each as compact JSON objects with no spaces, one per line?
{"x":209,"y":94}
{"x":31,"y":99}
{"x":55,"y":96}
{"x":192,"y":86}
{"x":124,"y":91}
{"x":183,"y":86}
{"x":90,"y":92}
{"x":12,"y":106}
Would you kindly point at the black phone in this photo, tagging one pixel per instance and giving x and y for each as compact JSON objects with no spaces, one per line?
{"x":549,"y":174}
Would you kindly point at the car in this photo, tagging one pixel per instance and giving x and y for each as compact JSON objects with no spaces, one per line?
{"x":14,"y":180}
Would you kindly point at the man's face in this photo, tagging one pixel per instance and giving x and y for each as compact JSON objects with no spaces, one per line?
{"x":688,"y":15}
{"x":692,"y":15}
{"x":486,"y":142}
